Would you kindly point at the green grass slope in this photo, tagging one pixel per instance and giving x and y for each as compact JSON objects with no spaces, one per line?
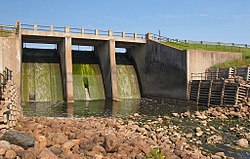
{"x":236,"y":63}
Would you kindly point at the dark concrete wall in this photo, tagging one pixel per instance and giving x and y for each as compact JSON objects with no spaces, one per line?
{"x":162,"y":70}
{"x":102,"y":52}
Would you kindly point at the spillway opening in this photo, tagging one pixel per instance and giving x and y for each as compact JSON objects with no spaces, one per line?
{"x":128,"y":85}
{"x":41,"y":73}
{"x":87,"y":76}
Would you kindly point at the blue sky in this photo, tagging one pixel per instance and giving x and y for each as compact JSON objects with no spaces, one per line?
{"x":209,"y":20}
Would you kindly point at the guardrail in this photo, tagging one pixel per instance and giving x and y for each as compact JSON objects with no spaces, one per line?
{"x":166,"y":39}
{"x":96,"y":32}
{"x":6,"y":30}
{"x":73,"y":30}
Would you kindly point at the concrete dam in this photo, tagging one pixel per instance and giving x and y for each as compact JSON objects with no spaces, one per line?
{"x":145,"y":68}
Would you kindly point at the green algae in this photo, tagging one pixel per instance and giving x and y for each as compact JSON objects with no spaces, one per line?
{"x":128,"y":87}
{"x":91,"y":74}
{"x":43,"y":80}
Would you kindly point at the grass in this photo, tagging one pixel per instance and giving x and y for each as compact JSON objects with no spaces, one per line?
{"x":5,"y":33}
{"x":236,"y":63}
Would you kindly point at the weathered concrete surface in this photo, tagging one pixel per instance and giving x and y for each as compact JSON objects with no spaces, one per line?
{"x":66,"y":67}
{"x":162,"y":70}
{"x":102,"y":53}
{"x":10,"y":56}
{"x":199,"y":60}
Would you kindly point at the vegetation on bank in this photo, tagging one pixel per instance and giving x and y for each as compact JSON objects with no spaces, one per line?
{"x":236,"y":63}
{"x":5,"y":33}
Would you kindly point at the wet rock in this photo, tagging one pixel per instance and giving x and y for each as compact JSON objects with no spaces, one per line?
{"x":189,"y":135}
{"x":136,"y":115}
{"x":175,"y":114}
{"x":221,"y":154}
{"x":46,"y":154}
{"x":187,"y":114}
{"x":199,"y":132}
{"x":111,"y":143}
{"x":214,"y":139}
{"x":10,"y":154}
{"x":242,"y":143}
{"x":19,"y":139}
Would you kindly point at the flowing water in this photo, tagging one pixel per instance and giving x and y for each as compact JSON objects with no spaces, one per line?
{"x":41,"y":82}
{"x":128,"y":87}
{"x":88,"y":75}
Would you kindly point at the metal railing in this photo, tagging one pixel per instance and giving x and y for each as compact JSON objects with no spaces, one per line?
{"x":6,"y":30}
{"x":204,"y":43}
{"x":73,"y":30}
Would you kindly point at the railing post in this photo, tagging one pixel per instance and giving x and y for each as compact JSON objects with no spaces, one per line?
{"x":123,"y":35}
{"x":135,"y":35}
{"x":67,"y":29}
{"x":82,"y":30}
{"x":18,"y":28}
{"x":149,"y":36}
{"x":110,"y":33}
{"x":35,"y":27}
{"x":51,"y":28}
{"x":96,"y":32}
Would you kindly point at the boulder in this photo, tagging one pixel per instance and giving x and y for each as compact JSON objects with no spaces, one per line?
{"x":242,"y":143}
{"x":19,"y":139}
{"x":111,"y":143}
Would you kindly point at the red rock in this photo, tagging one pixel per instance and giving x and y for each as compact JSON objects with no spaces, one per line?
{"x":111,"y":143}
{"x":56,"y":138}
{"x":18,"y":149}
{"x":2,"y":151}
{"x":4,"y":144}
{"x":41,"y":142}
{"x":29,"y":154}
{"x":46,"y":154}
{"x":99,"y":150}
{"x":10,"y":154}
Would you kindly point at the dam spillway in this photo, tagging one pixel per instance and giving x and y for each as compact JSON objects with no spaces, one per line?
{"x":41,"y":76}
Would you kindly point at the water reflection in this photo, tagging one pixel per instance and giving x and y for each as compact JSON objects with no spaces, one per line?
{"x":107,"y":108}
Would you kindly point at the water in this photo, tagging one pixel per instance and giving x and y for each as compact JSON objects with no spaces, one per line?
{"x":88,"y":75}
{"x":41,"y":82}
{"x":128,"y":87}
{"x":105,"y":108}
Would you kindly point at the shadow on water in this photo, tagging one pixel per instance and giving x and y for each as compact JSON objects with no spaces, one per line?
{"x":106,"y":108}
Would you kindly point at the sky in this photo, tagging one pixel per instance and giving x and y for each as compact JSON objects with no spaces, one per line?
{"x":206,"y":20}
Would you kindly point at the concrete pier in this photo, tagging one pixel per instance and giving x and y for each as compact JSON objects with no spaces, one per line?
{"x":66,"y":66}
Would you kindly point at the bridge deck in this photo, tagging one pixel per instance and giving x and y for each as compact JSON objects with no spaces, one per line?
{"x":52,"y":32}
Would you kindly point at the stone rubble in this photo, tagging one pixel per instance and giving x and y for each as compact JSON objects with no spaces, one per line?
{"x":107,"y":138}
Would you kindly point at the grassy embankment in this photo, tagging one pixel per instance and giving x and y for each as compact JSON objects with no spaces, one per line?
{"x":5,"y":33}
{"x":236,"y":63}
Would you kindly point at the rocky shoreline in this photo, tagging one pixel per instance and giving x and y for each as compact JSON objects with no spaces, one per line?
{"x":178,"y":136}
